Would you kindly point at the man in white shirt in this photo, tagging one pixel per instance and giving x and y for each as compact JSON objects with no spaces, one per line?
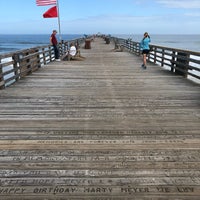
{"x":72,"y":50}
{"x":70,"y":53}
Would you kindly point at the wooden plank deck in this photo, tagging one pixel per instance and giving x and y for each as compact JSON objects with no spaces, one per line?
{"x":102,"y":128}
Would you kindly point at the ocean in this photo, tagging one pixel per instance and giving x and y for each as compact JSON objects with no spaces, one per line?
{"x":11,"y":43}
{"x":186,"y":42}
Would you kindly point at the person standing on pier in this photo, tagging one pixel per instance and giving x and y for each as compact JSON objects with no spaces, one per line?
{"x":54,"y":43}
{"x":144,"y":45}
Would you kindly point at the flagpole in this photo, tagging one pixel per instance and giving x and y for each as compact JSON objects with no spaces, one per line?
{"x":57,"y":3}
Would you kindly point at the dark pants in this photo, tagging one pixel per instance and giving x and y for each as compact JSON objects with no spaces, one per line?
{"x":56,"y":51}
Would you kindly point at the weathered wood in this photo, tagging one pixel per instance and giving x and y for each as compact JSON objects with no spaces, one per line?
{"x":100,"y":129}
{"x":183,"y":62}
{"x":19,"y":64}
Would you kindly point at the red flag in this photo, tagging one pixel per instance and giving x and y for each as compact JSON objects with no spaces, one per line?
{"x":45,"y":2}
{"x":52,"y":12}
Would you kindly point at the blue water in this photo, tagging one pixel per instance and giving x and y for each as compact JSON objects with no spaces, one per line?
{"x":186,"y":42}
{"x":10,"y":43}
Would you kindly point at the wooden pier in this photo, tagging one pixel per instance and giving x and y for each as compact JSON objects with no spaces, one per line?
{"x":101,"y":129}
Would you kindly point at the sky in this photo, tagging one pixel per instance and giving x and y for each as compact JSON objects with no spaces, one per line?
{"x":104,"y":16}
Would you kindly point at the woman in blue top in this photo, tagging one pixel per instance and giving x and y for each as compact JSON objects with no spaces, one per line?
{"x":144,"y":45}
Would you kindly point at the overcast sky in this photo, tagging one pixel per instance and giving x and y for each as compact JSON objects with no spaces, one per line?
{"x":105,"y":16}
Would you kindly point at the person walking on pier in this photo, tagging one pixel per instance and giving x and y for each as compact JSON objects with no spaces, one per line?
{"x":144,"y":45}
{"x":54,"y":43}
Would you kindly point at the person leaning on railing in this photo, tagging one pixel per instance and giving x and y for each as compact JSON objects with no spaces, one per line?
{"x":54,"y":43}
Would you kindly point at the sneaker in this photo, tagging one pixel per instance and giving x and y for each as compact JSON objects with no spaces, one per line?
{"x":58,"y":60}
{"x":143,"y":66}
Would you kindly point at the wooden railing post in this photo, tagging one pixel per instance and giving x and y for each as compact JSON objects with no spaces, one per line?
{"x":155,"y":50}
{"x":60,"y":48}
{"x":2,"y":82}
{"x":35,"y":60}
{"x":25,"y":67}
{"x":163,"y":57}
{"x":38,"y":58}
{"x":182,"y":63}
{"x":15,"y":58}
{"x":173,"y":61}
{"x":50,"y":54}
{"x":44,"y":56}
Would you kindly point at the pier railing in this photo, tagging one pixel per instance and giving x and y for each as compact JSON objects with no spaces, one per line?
{"x":181,"y":62}
{"x":16,"y":65}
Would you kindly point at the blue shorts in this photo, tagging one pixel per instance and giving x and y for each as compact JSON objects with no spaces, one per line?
{"x":145,"y":51}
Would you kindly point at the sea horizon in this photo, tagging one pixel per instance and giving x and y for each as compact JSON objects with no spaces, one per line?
{"x":14,"y":42}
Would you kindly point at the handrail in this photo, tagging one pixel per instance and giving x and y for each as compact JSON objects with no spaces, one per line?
{"x":182,"y":62}
{"x":16,"y":65}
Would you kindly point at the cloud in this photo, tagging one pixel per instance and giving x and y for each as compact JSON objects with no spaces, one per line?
{"x":193,"y":14}
{"x":192,"y":4}
{"x":160,"y":24}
